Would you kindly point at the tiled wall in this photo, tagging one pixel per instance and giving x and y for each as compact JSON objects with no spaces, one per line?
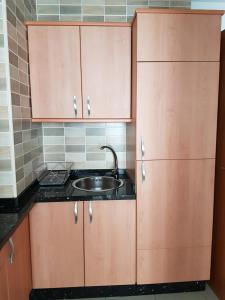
{"x":7,"y":165}
{"x":98,"y":10}
{"x":209,"y":4}
{"x":80,"y":143}
{"x":27,"y":136}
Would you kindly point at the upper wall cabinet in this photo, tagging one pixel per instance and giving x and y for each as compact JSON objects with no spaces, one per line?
{"x":55,"y":74}
{"x":178,"y":37}
{"x":80,"y":71}
{"x":106,"y":71}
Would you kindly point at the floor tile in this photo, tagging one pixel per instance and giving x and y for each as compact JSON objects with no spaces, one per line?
{"x":209,"y":294}
{"x":145,"y":297}
{"x":181,"y":296}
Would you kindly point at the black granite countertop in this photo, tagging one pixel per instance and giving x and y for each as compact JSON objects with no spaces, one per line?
{"x":69,"y":193}
{"x":13,"y":211}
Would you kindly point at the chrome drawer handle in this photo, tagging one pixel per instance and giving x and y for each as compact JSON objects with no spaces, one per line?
{"x":89,"y":106}
{"x":143,"y":173}
{"x":142,"y":148}
{"x":75,"y":105}
{"x":75,"y":212}
{"x":12,"y":254}
{"x":90,"y":212}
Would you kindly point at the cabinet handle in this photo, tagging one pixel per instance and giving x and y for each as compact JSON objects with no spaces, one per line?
{"x":75,"y":104}
{"x":89,"y":106}
{"x":142,"y":148}
{"x":12,"y":254}
{"x":143,"y":174}
{"x":75,"y":212}
{"x":90,"y":210}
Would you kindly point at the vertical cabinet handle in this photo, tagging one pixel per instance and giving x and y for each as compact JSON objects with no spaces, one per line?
{"x":12,"y":253}
{"x":75,"y":212}
{"x":75,"y":105}
{"x":89,"y":106}
{"x":143,"y":174}
{"x":90,"y":210}
{"x":142,"y":148}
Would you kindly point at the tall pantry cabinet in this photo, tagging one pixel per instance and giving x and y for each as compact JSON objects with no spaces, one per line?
{"x":217,"y":281}
{"x":175,"y":94}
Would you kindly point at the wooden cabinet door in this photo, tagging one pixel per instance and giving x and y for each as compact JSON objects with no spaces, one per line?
{"x":178,"y":37}
{"x":3,"y":274}
{"x":177,"y":109}
{"x":174,"y":212}
{"x":55,"y":74}
{"x":110,"y":243}
{"x":19,"y":271}
{"x":106,"y":71}
{"x":57,"y":245}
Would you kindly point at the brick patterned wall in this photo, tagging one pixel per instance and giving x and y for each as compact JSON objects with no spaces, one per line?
{"x":27,"y":136}
{"x":98,"y":10}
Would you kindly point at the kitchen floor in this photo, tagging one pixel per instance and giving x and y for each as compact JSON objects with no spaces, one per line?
{"x":205,"y":295}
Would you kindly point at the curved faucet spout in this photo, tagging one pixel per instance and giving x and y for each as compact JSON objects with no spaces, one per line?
{"x":115,"y":172}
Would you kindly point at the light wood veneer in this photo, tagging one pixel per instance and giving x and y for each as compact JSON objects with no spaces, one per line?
{"x":57,"y":245}
{"x":110,"y":243}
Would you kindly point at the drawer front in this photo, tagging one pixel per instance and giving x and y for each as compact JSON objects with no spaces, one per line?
{"x":173,"y":265}
{"x":178,"y":37}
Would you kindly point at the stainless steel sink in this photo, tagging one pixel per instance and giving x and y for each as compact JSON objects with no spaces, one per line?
{"x":97,"y":183}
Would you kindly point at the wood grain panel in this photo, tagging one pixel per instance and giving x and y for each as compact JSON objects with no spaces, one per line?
{"x":3,"y":274}
{"x":177,"y":109}
{"x":19,"y":272}
{"x":173,"y":265}
{"x":54,"y":54}
{"x":178,"y":37}
{"x":220,"y":154}
{"x":57,"y":245}
{"x":106,"y":71}
{"x":217,"y":281}
{"x":175,"y":204}
{"x":179,"y":10}
{"x":110,"y":248}
{"x":74,"y":23}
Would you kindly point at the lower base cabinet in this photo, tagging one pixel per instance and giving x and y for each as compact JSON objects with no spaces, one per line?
{"x":83,"y":243}
{"x":56,"y":234}
{"x":3,"y":273}
{"x":15,"y":265}
{"x":110,"y":242}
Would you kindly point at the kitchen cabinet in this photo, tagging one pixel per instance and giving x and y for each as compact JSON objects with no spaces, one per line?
{"x":172,"y":141}
{"x":19,"y":266}
{"x":80,"y":72}
{"x":106,"y":71}
{"x":57,"y":245}
{"x":177,"y":110}
{"x":110,"y":243}
{"x":177,"y":35}
{"x":217,"y":281}
{"x":15,"y":265}
{"x":3,"y":273}
{"x":174,"y":217}
{"x":90,"y":252}
{"x":55,"y":71}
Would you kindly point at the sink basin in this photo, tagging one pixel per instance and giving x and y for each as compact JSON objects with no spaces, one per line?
{"x":97,"y":184}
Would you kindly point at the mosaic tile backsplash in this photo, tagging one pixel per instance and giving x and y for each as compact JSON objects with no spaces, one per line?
{"x":80,"y":142}
{"x":98,"y":10}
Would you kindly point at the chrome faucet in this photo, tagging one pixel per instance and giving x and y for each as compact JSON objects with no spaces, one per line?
{"x":115,"y":172}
